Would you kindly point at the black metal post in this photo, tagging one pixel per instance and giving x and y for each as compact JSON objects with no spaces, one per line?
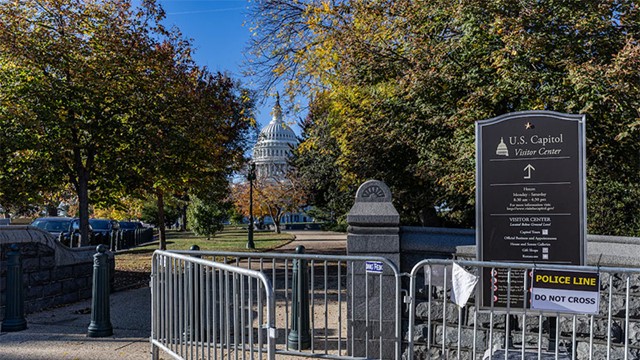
{"x":552,"y":327}
{"x":100,"y":313}
{"x":299,"y":337}
{"x":14,"y":310}
{"x":112,"y":241}
{"x":513,"y":325}
{"x":251,"y":177}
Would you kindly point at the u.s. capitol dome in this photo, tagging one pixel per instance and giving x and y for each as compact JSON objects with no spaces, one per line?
{"x":274,"y":146}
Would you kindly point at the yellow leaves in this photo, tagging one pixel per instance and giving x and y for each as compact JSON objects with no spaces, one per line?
{"x":326,"y":6}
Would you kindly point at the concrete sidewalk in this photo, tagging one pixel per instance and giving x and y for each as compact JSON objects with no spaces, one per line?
{"x":61,"y":333}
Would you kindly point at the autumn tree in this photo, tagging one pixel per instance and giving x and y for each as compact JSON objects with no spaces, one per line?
{"x":240,"y":197}
{"x":406,"y":81}
{"x":195,"y":139}
{"x":279,"y":196}
{"x":106,"y":99}
{"x":71,"y":72}
{"x":272,"y":196}
{"x":316,"y":161}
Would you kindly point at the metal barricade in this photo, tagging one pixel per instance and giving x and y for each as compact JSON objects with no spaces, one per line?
{"x":203,"y":309}
{"x":438,"y":328}
{"x":353,"y":312}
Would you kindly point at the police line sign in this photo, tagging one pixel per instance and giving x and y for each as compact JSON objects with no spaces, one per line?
{"x":565,"y":291}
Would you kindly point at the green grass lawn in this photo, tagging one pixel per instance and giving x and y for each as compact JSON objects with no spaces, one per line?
{"x":134,"y":266}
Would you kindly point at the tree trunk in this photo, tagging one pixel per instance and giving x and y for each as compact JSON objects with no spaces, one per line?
{"x":183,"y":223}
{"x":275,"y":214}
{"x":161,"y":227}
{"x":52,"y":210}
{"x":429,"y":217}
{"x":82,"y":165}
{"x":83,"y":205}
{"x":277,"y":220}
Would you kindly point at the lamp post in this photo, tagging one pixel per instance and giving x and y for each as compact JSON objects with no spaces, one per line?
{"x":251,"y":176}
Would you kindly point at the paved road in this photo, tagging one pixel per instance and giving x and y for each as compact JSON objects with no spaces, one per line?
{"x":318,"y":242}
{"x":61,"y":333}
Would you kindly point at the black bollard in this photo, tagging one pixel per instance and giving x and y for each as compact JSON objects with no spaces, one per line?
{"x":128,"y":236}
{"x":14,"y":310}
{"x":100,"y":314}
{"x":113,"y":236}
{"x":299,"y":337}
{"x":118,"y":240}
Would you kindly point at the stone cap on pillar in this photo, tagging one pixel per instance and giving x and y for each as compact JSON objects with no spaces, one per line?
{"x":373,"y":206}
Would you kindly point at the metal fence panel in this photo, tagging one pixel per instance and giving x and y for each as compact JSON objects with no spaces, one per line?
{"x":366,"y":325}
{"x":438,"y":328}
{"x":203,"y":309}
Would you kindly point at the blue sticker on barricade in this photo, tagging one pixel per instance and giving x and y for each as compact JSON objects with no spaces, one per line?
{"x":374,"y":267}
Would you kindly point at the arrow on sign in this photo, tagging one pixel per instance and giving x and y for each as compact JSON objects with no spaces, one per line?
{"x":528,"y":169}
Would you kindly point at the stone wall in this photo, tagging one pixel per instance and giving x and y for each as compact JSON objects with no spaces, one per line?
{"x":418,"y":243}
{"x":53,"y":274}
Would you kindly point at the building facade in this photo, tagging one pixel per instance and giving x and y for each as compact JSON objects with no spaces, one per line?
{"x":274,"y":146}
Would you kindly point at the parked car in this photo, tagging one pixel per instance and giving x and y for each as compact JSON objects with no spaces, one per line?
{"x":130,"y":225}
{"x":58,"y":225}
{"x":102,"y":229}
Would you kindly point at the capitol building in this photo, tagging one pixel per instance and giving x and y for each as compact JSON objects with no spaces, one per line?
{"x":274,"y":146}
{"x":271,"y":155}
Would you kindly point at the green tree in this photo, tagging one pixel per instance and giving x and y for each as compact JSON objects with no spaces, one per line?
{"x":315,"y":160}
{"x":408,"y":79}
{"x":195,"y":139}
{"x":206,"y":217}
{"x":109,"y":101}
{"x":150,"y":214}
{"x":71,"y":72}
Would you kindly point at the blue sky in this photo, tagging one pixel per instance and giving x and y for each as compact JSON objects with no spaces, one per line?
{"x":219,"y":38}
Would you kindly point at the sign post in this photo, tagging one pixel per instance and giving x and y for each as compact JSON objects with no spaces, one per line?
{"x":530,"y":197}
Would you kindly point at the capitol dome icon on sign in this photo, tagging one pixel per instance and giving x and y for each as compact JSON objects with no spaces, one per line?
{"x":502,"y":148}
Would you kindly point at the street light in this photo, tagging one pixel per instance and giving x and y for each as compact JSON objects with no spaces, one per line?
{"x":251,"y":176}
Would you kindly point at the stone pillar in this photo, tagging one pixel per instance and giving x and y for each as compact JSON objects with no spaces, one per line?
{"x":373,"y":231}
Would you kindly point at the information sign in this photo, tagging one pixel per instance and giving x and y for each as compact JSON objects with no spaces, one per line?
{"x":530,"y":196}
{"x":566,"y":291}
